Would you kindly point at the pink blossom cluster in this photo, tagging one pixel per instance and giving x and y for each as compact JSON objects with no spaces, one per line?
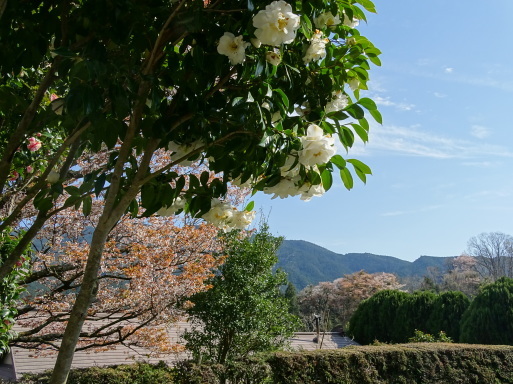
{"x":33,"y":144}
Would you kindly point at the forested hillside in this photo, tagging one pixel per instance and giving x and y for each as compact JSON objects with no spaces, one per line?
{"x":307,"y":263}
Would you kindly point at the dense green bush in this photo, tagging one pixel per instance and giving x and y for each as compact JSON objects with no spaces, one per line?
{"x":448,"y":308}
{"x":413,"y":314}
{"x":489,"y":318}
{"x":393,"y":316}
{"x":376,"y":317}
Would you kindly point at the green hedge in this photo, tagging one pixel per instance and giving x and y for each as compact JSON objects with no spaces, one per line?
{"x":420,"y":363}
{"x":123,"y":374}
{"x":410,"y":363}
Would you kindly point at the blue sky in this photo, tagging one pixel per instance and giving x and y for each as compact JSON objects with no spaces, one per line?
{"x":443,"y":158}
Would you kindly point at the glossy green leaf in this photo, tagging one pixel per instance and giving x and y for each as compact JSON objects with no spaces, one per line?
{"x":72,"y":190}
{"x":87,"y":205}
{"x":347,"y":178}
{"x":284,"y":97}
{"x":338,"y":161}
{"x":355,"y":111}
{"x":357,"y":164}
{"x":250,"y":206}
{"x":327,"y":179}
{"x":362,"y":133}
{"x":377,"y":116}
{"x":148,"y":195}
{"x":368,"y":103}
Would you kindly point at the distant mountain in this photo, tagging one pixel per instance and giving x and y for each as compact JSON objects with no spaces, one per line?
{"x":307,"y":263}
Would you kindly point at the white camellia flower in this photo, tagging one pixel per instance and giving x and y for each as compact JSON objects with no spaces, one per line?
{"x":317,"y":147}
{"x":219,"y":213}
{"x":338,"y":102}
{"x":226,"y":217}
{"x":276,"y":24}
{"x":317,"y":49}
{"x":308,"y":191}
{"x":241,"y":219}
{"x":178,"y":204}
{"x":255,"y":42}
{"x":351,"y":23}
{"x":233,"y":47}
{"x":291,"y":166}
{"x":303,"y":109}
{"x":285,"y":188}
{"x":181,"y":150}
{"x":276,"y":116}
{"x":326,"y":19}
{"x":273,"y":58}
{"x":354,"y":83}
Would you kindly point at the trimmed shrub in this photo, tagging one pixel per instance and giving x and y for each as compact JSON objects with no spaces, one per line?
{"x":489,"y":318}
{"x":413,"y":314}
{"x":123,"y":374}
{"x":407,"y":364}
{"x":447,"y":312}
{"x":377,"y":318}
{"x":393,"y":316}
{"x":251,"y":370}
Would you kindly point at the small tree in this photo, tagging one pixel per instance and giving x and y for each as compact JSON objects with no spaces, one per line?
{"x":463,"y":276}
{"x":489,"y":318}
{"x":336,"y":301}
{"x":493,"y":253}
{"x":291,"y":295}
{"x":218,"y":81}
{"x":244,"y":311}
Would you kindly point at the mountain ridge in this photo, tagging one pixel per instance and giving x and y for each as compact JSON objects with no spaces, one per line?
{"x":308,"y":263}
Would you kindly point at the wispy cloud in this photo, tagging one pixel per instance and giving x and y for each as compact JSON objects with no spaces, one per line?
{"x":386,"y":102}
{"x":481,"y":164}
{"x":413,"y":211}
{"x":439,"y":95}
{"x":414,"y":142}
{"x":488,"y":194}
{"x":480,"y":131}
{"x":500,"y":78}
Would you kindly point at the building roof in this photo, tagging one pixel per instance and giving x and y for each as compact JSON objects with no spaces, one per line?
{"x":21,"y":361}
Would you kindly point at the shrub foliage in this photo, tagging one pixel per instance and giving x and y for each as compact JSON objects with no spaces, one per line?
{"x":411,"y":363}
{"x":489,"y":318}
{"x":393,"y":316}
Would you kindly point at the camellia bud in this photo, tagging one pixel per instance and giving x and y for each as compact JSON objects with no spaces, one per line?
{"x":53,"y":177}
{"x":273,"y":58}
{"x":256,"y":43}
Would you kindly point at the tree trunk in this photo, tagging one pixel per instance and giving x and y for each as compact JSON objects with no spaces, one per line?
{"x":84,"y":299}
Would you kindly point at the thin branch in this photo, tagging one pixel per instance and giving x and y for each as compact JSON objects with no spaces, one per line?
{"x":153,"y":57}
